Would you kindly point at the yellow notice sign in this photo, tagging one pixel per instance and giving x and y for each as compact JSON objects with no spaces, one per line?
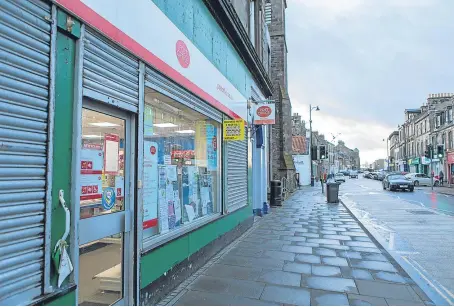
{"x":233,"y":130}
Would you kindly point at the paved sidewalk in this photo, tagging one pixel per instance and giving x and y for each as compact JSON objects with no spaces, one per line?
{"x":305,"y":253}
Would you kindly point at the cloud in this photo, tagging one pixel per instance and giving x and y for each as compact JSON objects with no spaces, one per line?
{"x":364,"y":62}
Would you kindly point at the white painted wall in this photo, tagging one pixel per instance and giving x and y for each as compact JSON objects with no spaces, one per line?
{"x":303,"y":167}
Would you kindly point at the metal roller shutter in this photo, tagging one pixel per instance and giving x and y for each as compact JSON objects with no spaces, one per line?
{"x":109,"y":73}
{"x":167,"y":87}
{"x":25,"y":36}
{"x":237,"y":172}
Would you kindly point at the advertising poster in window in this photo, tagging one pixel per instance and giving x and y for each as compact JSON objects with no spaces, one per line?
{"x":212,"y":146}
{"x":91,"y":165}
{"x":111,"y":153}
{"x":200,"y":144}
{"x":150,"y":184}
{"x":190,"y":193}
{"x":162,"y":202}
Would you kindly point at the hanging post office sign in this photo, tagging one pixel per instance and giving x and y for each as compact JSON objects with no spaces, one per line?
{"x":265,"y":114}
{"x":233,"y":130}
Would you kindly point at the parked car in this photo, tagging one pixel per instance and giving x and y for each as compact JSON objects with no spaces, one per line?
{"x":374,"y":175}
{"x":346,"y":173}
{"x":381,"y":175}
{"x":421,"y":179}
{"x":366,"y":174}
{"x":354,"y":174}
{"x":339,"y":177}
{"x":397,"y":182}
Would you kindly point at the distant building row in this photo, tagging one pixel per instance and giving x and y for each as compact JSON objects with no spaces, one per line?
{"x":430,"y":124}
{"x":339,"y":157}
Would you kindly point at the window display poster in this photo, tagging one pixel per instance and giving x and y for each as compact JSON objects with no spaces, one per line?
{"x":171,"y":172}
{"x":211,"y":141}
{"x":190,"y":190}
{"x":90,"y":187}
{"x":91,"y":161}
{"x":119,"y":186}
{"x":150,"y":184}
{"x":167,"y":159}
{"x":206,"y":202}
{"x":148,"y":121}
{"x":163,"y":212}
{"x":111,"y":153}
{"x":91,"y":165}
{"x":200,"y":143}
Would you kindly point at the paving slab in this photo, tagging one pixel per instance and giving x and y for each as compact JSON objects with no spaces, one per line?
{"x":286,"y":295}
{"x":297,"y":249}
{"x":281,"y":278}
{"x":325,"y":252}
{"x":200,"y":298}
{"x":386,"y":290}
{"x":280,"y":255}
{"x":232,"y":271}
{"x":373,"y":265}
{"x":325,"y":270}
{"x":245,"y":288}
{"x":326,"y":298}
{"x":336,"y":284}
{"x":363,"y":300}
{"x":302,"y":268}
{"x":338,"y":261}
{"x":308,"y":258}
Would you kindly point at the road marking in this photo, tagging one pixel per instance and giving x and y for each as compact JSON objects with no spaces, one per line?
{"x":439,"y":288}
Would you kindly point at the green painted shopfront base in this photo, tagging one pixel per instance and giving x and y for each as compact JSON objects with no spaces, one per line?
{"x":165,"y":268}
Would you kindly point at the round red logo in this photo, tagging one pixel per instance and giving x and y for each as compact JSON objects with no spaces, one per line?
{"x":152,"y":150}
{"x":264,"y":111}
{"x":182,"y":53}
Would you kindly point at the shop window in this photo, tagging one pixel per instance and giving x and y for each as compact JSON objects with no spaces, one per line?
{"x":101,"y":164}
{"x":181,"y":168}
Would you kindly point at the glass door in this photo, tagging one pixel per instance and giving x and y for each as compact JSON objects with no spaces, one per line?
{"x":106,"y":204}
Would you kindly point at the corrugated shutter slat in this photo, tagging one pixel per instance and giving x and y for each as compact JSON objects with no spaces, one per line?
{"x":110,"y":71}
{"x":167,"y":87}
{"x":237,"y":174}
{"x":24,"y":100}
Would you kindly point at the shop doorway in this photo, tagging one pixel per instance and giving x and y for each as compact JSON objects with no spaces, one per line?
{"x":106,"y":248}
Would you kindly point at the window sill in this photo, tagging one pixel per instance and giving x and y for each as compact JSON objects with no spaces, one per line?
{"x":156,"y":241}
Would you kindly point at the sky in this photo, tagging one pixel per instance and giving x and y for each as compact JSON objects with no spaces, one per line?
{"x":363,"y":62}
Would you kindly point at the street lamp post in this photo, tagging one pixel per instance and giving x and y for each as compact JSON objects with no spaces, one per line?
{"x":310,"y":131}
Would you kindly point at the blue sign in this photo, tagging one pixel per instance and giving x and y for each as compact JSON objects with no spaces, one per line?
{"x":108,"y":198}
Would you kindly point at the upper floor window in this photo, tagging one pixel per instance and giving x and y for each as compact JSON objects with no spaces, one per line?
{"x":450,"y":114}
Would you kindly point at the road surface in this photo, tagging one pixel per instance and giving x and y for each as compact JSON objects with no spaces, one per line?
{"x":416,"y":226}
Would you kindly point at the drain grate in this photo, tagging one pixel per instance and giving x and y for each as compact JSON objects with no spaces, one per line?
{"x":420,"y":212}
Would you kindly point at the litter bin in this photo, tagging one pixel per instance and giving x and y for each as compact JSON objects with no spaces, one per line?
{"x":275,"y":193}
{"x":332,"y":192}
{"x":312,"y":181}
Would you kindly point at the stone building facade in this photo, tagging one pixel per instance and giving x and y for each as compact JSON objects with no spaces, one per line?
{"x":281,"y":136}
{"x":430,"y":124}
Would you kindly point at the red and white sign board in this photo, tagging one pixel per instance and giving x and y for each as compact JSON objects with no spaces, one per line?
{"x":91,"y":166}
{"x":90,"y":187}
{"x":265,"y":114}
{"x":91,"y":161}
{"x":138,"y":26}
